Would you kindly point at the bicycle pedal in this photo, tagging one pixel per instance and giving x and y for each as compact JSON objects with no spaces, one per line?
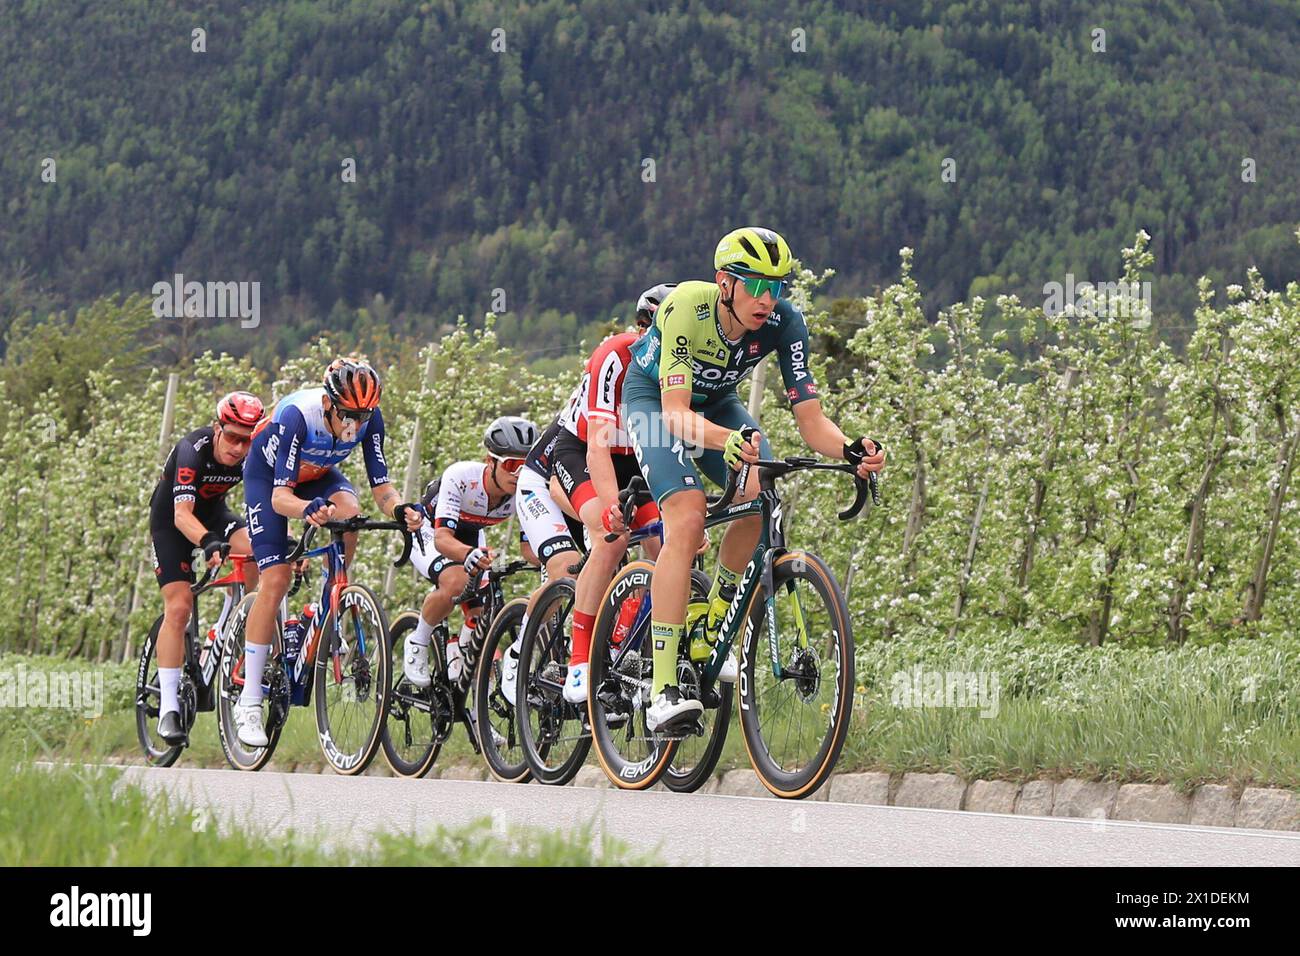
{"x":680,"y":731}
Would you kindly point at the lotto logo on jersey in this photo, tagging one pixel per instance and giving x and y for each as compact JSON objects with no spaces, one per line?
{"x":185,"y":476}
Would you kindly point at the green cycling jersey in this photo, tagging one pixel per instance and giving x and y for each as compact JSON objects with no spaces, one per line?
{"x":685,"y":349}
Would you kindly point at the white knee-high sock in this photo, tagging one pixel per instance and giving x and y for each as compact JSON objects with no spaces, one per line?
{"x":169,"y":683}
{"x":255,"y":657}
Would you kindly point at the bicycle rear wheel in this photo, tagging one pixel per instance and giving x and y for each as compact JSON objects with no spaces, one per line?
{"x":410,"y":736}
{"x":697,"y":757}
{"x":632,"y":757}
{"x":795,"y":720}
{"x":352,"y":680}
{"x":148,"y":700}
{"x":230,"y":682}
{"x":555,"y":743}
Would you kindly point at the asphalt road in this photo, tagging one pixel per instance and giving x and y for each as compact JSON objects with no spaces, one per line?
{"x":711,"y":828}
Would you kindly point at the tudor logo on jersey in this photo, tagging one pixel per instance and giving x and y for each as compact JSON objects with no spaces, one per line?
{"x":185,"y":476}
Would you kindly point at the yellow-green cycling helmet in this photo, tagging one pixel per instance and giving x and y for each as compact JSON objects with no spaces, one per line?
{"x":753,"y":251}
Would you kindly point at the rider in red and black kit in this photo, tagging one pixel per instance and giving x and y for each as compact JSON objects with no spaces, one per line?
{"x":188,"y":511}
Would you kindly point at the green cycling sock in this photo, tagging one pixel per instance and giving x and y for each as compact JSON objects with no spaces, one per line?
{"x":665,"y":638}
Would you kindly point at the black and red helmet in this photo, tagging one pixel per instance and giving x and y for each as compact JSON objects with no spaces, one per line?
{"x":240,"y":408}
{"x":353,"y":385}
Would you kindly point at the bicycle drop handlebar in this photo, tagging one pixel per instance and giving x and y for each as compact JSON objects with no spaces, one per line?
{"x":780,"y":468}
{"x":355,"y":523}
{"x":475,"y":583}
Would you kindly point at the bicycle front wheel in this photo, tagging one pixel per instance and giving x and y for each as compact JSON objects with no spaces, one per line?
{"x":148,"y":701}
{"x":230,"y":683}
{"x":555,"y":742}
{"x":494,"y":716}
{"x":352,"y":680}
{"x":410,"y":735}
{"x":796,"y":681}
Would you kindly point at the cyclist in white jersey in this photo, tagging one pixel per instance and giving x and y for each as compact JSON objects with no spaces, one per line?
{"x":472,"y":496}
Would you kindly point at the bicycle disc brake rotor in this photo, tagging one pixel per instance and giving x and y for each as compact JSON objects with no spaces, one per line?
{"x":805,"y":670}
{"x":361,"y":678}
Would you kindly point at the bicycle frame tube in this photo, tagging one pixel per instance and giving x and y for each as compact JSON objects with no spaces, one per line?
{"x":758,"y":572}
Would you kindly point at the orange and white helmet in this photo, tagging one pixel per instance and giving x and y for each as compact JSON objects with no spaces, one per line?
{"x":353,"y":385}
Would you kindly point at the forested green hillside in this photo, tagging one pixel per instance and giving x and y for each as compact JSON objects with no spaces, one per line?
{"x":523,"y":170}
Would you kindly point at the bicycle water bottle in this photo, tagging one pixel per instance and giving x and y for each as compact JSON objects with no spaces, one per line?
{"x":305,"y":626}
{"x":626,"y":617}
{"x":207,"y":648}
{"x":292,"y":646}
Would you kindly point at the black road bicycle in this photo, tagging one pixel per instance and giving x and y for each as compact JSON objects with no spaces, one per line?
{"x":556,"y":734}
{"x":342,"y":661}
{"x":795,"y":701}
{"x":198,"y":673}
{"x":419,"y":720}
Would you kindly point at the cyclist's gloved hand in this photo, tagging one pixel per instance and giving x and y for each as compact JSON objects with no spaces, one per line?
{"x":611,"y":519}
{"x":318,"y":511}
{"x":742,"y":445}
{"x":214,"y":548}
{"x":477,"y":560}
{"x":412,"y":513}
{"x":856,"y":452}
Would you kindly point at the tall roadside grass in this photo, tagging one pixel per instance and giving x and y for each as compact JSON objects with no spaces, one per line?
{"x":1226,"y":712}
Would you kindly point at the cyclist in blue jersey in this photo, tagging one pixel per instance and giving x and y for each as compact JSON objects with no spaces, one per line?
{"x":292,"y":472}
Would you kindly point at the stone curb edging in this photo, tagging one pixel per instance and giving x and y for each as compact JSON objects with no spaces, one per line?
{"x":1213,"y":805}
{"x":1210,"y":804}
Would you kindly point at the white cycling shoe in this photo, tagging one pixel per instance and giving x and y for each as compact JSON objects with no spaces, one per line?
{"x":455,"y":662}
{"x":248,"y":725}
{"x":575,"y":684}
{"x":415,"y":663}
{"x":510,"y":674}
{"x":670,"y":707}
{"x":730,"y":671}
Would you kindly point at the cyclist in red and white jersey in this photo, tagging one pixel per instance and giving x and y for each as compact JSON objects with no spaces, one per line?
{"x":592,"y":459}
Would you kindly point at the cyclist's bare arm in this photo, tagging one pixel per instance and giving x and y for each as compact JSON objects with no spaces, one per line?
{"x":600,"y":463}
{"x":824,"y":437}
{"x":286,"y":503}
{"x":685,"y":423}
{"x":186,"y":523}
{"x":446,"y":544}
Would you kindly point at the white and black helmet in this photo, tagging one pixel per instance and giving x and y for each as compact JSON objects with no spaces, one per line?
{"x":648,"y":304}
{"x":510,"y":436}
